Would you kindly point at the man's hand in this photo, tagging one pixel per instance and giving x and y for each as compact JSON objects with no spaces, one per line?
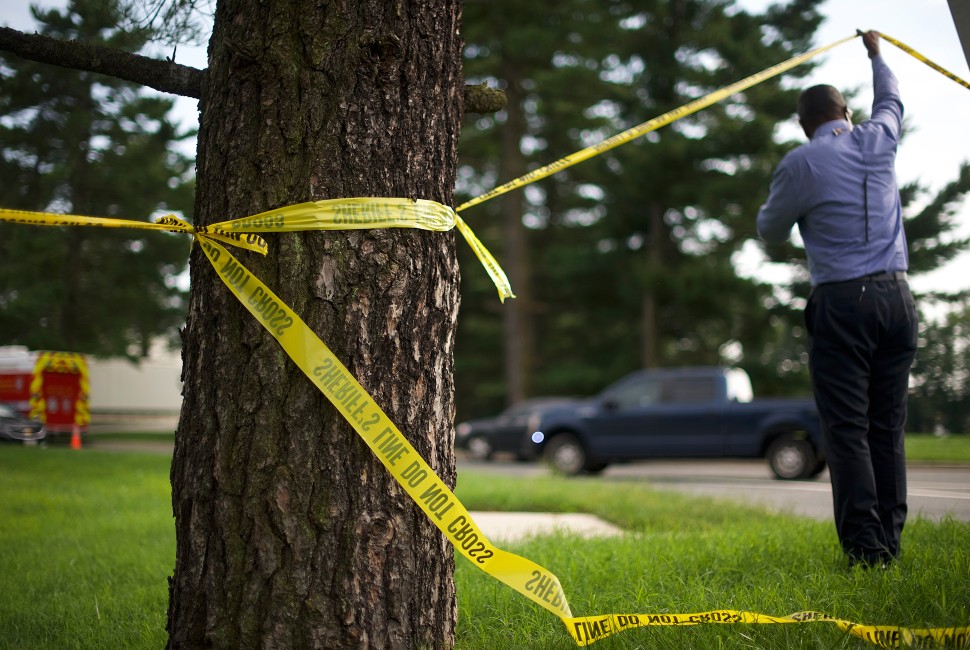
{"x":871,"y":40}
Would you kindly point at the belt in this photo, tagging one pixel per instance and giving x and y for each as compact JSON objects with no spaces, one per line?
{"x":882,"y":277}
{"x":886,"y":276}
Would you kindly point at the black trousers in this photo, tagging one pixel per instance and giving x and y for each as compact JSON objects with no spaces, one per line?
{"x":862,"y":338}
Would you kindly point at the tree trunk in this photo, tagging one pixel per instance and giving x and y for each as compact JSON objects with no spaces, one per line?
{"x":290,"y":533}
{"x":654,"y":265}
{"x":518,"y":340}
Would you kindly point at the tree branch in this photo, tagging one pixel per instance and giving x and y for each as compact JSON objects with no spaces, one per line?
{"x":164,"y":76}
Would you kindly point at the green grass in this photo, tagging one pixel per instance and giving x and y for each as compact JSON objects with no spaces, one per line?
{"x":691,"y":555}
{"x":929,"y":448}
{"x":87,"y":542}
{"x":146,"y":436}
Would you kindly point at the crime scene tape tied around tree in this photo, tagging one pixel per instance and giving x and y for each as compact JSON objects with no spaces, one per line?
{"x":411,"y":471}
{"x":332,"y":214}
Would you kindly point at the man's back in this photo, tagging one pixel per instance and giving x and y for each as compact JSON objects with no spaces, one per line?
{"x":840,"y":187}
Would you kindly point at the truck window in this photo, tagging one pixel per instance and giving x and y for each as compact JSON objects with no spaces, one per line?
{"x":643,"y":392}
{"x":688,"y":390}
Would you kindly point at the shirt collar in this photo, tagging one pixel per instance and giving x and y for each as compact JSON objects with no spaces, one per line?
{"x":832,"y":127}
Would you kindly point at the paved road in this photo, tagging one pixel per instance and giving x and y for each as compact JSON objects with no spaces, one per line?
{"x":934,"y":491}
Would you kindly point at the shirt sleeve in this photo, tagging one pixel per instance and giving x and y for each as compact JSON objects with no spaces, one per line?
{"x":887,"y":108}
{"x":782,"y":209}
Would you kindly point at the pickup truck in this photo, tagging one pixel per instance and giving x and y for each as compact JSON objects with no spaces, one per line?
{"x":701,"y":412}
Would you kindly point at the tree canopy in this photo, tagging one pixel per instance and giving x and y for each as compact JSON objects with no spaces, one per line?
{"x":88,"y":144}
{"x":630,"y":254}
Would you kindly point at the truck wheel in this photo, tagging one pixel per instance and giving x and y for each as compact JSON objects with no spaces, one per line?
{"x":792,"y":458}
{"x":480,"y":448}
{"x":566,"y":454}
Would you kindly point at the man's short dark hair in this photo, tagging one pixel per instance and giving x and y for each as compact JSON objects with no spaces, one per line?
{"x":820,"y":102}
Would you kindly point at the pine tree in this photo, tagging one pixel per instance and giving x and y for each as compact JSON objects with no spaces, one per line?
{"x":88,"y":144}
{"x":631,"y":252}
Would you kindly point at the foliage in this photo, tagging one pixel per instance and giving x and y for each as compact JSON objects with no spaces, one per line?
{"x":930,"y":232}
{"x":85,"y":144}
{"x":171,"y":22}
{"x":940,"y":397}
{"x":631,"y":251}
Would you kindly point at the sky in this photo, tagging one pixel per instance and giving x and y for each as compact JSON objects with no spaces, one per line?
{"x":937,"y":108}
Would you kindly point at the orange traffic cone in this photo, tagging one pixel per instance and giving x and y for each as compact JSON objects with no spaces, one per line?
{"x":76,"y":437}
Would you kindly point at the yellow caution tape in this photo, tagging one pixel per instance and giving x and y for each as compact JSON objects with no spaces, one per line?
{"x":169,"y":223}
{"x":491,"y":265}
{"x":333,"y":214}
{"x":920,"y":57}
{"x":369,"y":212}
{"x":249,"y":242}
{"x":347,"y":214}
{"x":588,"y":629}
{"x":651,"y":125}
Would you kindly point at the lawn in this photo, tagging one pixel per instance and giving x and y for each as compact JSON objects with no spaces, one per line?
{"x":938,"y":449}
{"x":87,"y":544}
{"x":693,"y":555}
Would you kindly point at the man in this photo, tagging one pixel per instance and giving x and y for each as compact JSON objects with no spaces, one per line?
{"x":840,"y":188}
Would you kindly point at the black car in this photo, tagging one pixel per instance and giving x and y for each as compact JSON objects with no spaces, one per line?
{"x":14,"y":428}
{"x":507,"y":431}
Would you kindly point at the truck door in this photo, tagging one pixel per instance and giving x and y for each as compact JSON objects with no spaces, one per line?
{"x":662,"y":417}
{"x":61,"y":391}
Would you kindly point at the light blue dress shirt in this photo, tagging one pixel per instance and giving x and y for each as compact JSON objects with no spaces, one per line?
{"x":840,"y":188}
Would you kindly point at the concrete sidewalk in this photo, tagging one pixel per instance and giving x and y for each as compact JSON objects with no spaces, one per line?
{"x":514,"y":526}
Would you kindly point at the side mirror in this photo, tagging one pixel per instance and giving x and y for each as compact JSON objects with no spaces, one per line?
{"x":611,"y":405}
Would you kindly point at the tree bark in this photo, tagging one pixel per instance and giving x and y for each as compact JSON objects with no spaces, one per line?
{"x":165,"y":76}
{"x":290,"y":533}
